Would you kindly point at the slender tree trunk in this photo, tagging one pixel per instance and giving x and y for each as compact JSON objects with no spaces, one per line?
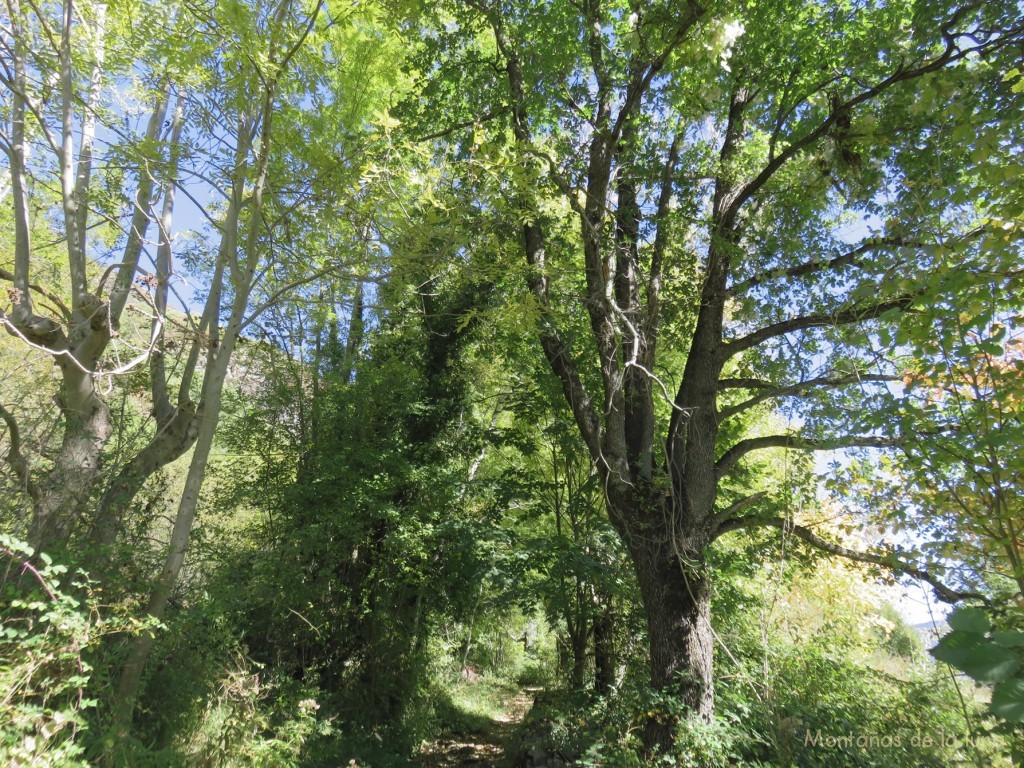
{"x":354,"y":337}
{"x":217,"y":366}
{"x":579,"y":637}
{"x":241,"y":273}
{"x":59,"y":495}
{"x":18,"y":162}
{"x":173,"y":441}
{"x":604,"y":646}
{"x":177,"y":427}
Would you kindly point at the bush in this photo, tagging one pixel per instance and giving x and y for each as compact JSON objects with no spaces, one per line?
{"x":48,"y":625}
{"x":253,"y":721}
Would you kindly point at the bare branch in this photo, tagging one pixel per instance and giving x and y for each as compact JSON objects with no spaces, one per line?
{"x":310,"y":23}
{"x":14,"y":455}
{"x":890,"y":560}
{"x":555,"y":349}
{"x":33,"y":107}
{"x":140,"y":219}
{"x":62,"y":354}
{"x":291,"y":285}
{"x":45,"y":293}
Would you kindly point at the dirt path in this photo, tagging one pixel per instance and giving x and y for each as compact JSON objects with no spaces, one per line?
{"x":484,"y":749}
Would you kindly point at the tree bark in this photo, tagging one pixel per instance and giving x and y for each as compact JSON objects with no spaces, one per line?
{"x":77,"y":347}
{"x":667,"y":550}
{"x":172,"y":442}
{"x":241,"y":272}
{"x":604,"y":646}
{"x":86,"y":429}
{"x":131,"y":675}
{"x":677,"y":606}
{"x":578,"y":635}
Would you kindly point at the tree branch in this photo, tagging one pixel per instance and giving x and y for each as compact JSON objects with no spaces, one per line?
{"x":486,"y":117}
{"x":847,"y":259}
{"x":644,"y":75}
{"x":823,"y":382}
{"x":734,"y":509}
{"x":660,"y":240}
{"x":45,"y":293}
{"x":850,"y":258}
{"x":890,"y":560}
{"x":949,"y":55}
{"x":729,"y":459}
{"x":14,"y":455}
{"x":745,"y":383}
{"x":555,"y":349}
{"x":821,"y":320}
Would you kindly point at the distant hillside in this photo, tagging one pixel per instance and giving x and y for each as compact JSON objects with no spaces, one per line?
{"x":931,"y":631}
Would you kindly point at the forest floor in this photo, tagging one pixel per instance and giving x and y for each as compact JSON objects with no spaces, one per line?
{"x":484,"y":741}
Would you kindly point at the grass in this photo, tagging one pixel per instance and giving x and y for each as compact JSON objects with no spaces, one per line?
{"x":476,"y":705}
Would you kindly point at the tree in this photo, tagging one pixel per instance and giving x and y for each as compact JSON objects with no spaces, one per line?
{"x":55,"y":74}
{"x":243,"y":109}
{"x":713,"y":158}
{"x":275,"y":161}
{"x":582,"y":577}
{"x":370,"y":542}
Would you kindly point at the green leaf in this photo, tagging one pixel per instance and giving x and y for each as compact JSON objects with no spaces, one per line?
{"x":968,"y":619}
{"x":977,"y":656}
{"x":1008,"y":700}
{"x":956,"y":648}
{"x":1011,"y":638}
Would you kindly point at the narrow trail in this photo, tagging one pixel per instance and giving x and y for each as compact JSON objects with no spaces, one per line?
{"x":484,"y":748}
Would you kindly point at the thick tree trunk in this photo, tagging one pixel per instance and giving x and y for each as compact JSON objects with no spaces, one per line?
{"x":86,"y":429}
{"x":675,"y":591}
{"x":678,"y":609}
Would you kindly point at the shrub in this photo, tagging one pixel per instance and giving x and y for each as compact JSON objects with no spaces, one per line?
{"x":48,"y":624}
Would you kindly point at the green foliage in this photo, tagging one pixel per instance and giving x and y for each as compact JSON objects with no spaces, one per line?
{"x":988,"y":655}
{"x":51,"y":625}
{"x":823,"y":705}
{"x":253,"y":719}
{"x":395,"y":501}
{"x":815,"y":670}
{"x":897,"y":638}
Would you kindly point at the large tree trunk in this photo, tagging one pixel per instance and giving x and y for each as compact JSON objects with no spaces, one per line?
{"x":676,"y":595}
{"x":678,"y":609}
{"x":86,"y":429}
